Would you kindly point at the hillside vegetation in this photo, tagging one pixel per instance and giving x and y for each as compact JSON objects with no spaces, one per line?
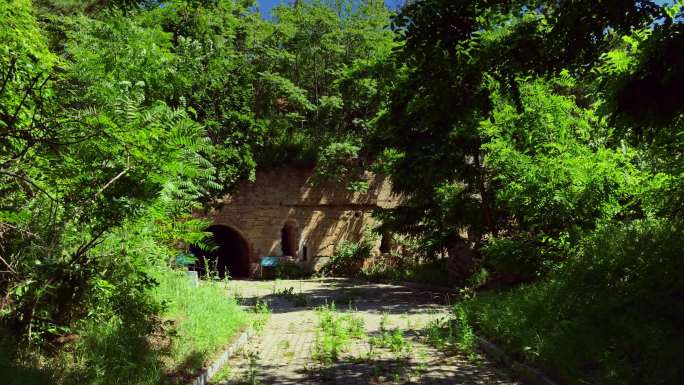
{"x":538,"y":144}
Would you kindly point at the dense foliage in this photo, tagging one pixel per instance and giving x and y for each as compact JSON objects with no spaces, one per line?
{"x":537,"y":145}
{"x":321,"y":80}
{"x":548,"y":135}
{"x":116,"y":120}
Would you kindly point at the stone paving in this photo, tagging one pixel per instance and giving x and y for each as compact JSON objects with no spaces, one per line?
{"x":282,"y":352}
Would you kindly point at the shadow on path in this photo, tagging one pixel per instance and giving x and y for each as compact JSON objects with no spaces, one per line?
{"x":282,"y":354}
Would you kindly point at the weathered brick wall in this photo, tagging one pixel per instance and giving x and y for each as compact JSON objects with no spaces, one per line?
{"x":322,"y":215}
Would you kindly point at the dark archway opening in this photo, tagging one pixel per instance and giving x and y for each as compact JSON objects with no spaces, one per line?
{"x":288,"y":239}
{"x":229,"y":254}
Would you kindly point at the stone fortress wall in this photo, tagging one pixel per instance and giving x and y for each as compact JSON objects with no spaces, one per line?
{"x":284,"y":213}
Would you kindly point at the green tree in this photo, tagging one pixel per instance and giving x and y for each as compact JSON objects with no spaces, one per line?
{"x":322,"y":72}
{"x":453,"y":51}
{"x":213,"y":43}
{"x":87,"y":150}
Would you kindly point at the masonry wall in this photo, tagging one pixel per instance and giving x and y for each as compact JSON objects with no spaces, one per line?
{"x":322,"y":215}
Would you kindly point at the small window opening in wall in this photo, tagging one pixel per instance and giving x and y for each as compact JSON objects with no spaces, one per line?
{"x":288,"y":241}
{"x":386,"y":242}
{"x":304,"y":253}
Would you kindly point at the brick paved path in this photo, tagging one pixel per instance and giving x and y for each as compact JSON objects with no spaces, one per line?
{"x":281,"y":353}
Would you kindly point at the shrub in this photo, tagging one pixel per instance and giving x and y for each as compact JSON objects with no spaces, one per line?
{"x":348,"y":259}
{"x":292,"y":270}
{"x":515,"y":259}
{"x":396,"y":267}
{"x":611,"y":315}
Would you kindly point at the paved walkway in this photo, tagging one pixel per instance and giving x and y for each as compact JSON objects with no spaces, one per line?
{"x":282,"y":352}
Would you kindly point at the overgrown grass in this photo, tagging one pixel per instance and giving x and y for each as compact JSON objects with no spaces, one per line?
{"x":348,"y":259}
{"x":335,"y":333}
{"x":597,"y":344}
{"x":196,"y":323}
{"x":611,"y":314}
{"x":292,"y":270}
{"x":22,"y":371}
{"x":452,"y":332}
{"x":260,"y":315}
{"x":205,"y":318}
{"x":392,"y":339}
{"x":353,"y":259}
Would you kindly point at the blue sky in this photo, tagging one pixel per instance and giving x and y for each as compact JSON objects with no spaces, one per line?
{"x":266,"y":5}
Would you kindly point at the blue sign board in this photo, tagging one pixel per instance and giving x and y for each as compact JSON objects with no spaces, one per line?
{"x":269,"y":261}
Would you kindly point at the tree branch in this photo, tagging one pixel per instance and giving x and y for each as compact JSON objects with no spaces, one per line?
{"x":119,"y":175}
{"x":29,"y":181}
{"x":80,"y":252}
{"x":29,"y":89}
{"x":9,"y":74}
{"x":11,"y":270}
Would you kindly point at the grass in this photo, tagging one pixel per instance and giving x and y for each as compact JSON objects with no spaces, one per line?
{"x":223,"y":374}
{"x":260,"y":315}
{"x":133,"y":348}
{"x":291,"y":270}
{"x":205,"y":319}
{"x":593,"y":344}
{"x":452,"y":332}
{"x":251,"y":375}
{"x":392,"y":339}
{"x":610,"y":313}
{"x":335,"y":333}
{"x":439,"y":333}
{"x":388,"y":356}
{"x":390,"y":352}
{"x":26,"y":371}
{"x":297,"y":299}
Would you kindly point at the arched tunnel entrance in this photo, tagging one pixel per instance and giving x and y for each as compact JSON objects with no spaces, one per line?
{"x":229,"y":254}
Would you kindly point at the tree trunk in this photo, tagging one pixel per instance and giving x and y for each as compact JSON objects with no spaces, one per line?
{"x":462,"y":261}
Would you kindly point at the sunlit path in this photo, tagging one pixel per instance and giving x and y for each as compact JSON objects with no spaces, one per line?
{"x":282,"y":353}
